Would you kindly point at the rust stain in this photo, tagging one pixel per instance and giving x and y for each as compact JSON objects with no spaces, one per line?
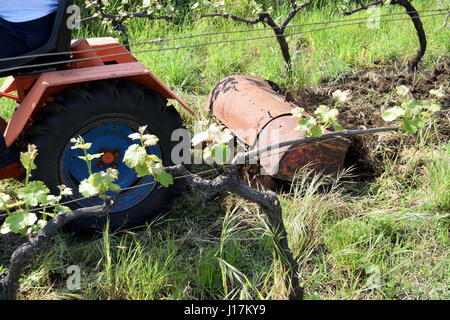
{"x":259,"y":116}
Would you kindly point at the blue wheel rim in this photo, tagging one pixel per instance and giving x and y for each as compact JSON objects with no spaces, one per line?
{"x":107,"y":136}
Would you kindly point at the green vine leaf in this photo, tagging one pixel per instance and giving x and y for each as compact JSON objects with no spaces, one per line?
{"x":298,"y":112}
{"x":325,"y":114}
{"x":315,"y":127}
{"x":337,"y":126}
{"x":412,"y":126}
{"x":99,"y":183}
{"x":403,"y":90}
{"x":439,"y":93}
{"x":150,"y":140}
{"x":216,"y":139}
{"x":392,"y":114}
{"x":161,"y":175}
{"x":80,"y":144}
{"x":221,"y":153}
{"x":144,"y":164}
{"x":305,"y":124}
{"x":413,"y":108}
{"x":4,"y":199}
{"x":317,"y":131}
{"x":27,"y":158}
{"x":63,"y":209}
{"x":432,"y":107}
{"x":212,"y":135}
{"x":17,"y":223}
{"x":135,"y":156}
{"x":37,"y":226}
{"x":342,"y":96}
{"x":36,"y":192}
{"x":90,"y":157}
{"x":412,"y":113}
{"x":87,"y":189}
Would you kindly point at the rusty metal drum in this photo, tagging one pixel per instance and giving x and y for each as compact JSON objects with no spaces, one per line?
{"x":260,"y":116}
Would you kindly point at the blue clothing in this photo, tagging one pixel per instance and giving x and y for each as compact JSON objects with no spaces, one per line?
{"x":18,"y":38}
{"x":7,"y":155}
{"x":26,"y":10}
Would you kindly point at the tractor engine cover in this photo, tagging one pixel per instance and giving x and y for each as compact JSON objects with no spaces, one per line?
{"x":259,"y":116}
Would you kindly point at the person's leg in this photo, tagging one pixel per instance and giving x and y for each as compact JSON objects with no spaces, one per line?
{"x":19,"y":38}
{"x":7,"y":155}
{"x":37,"y":32}
{"x":12,"y":42}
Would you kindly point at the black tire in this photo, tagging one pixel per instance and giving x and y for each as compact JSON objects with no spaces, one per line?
{"x":81,"y":106}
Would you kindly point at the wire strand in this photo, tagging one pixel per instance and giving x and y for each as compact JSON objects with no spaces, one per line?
{"x":202,"y":44}
{"x":121,"y":190}
{"x":160,"y":40}
{"x":258,"y":157}
{"x":176,"y":48}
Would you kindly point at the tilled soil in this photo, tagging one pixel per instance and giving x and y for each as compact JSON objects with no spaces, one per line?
{"x":373,"y":91}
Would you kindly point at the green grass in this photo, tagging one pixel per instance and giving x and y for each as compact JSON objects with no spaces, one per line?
{"x":222,"y":249}
{"x":7,"y":106}
{"x":326,"y":53}
{"x":386,"y":239}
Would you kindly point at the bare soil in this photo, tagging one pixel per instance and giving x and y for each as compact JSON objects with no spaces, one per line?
{"x":373,"y":91}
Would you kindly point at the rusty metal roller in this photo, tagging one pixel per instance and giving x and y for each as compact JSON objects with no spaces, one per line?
{"x":259,"y":116}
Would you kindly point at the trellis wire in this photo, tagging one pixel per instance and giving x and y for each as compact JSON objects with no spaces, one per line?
{"x":191,"y":46}
{"x":202,"y":44}
{"x":159,"y":40}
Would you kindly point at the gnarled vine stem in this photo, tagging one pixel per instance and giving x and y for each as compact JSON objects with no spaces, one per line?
{"x":266,"y":18}
{"x":414,"y":15}
{"x":268,"y":202}
{"x":24,"y":254}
